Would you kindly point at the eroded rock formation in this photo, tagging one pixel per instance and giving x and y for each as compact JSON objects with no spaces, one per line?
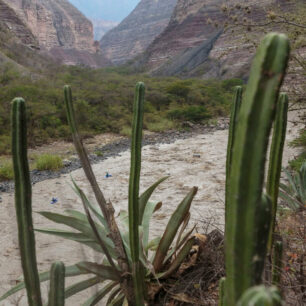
{"x":133,"y":35}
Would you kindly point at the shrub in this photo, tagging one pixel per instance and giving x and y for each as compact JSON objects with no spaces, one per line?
{"x":190,"y":113}
{"x":49,"y":162}
{"x":6,"y":171}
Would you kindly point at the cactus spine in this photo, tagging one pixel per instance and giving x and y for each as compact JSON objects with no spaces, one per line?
{"x":276,"y":155}
{"x":57,"y":285}
{"x":259,"y":296}
{"x":247,"y":170}
{"x":134,"y":192}
{"x":23,"y":202}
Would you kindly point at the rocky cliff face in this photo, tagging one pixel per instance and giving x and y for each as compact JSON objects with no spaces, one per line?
{"x":195,"y":42}
{"x":133,"y":35}
{"x":55,"y":23}
{"x":55,"y":27}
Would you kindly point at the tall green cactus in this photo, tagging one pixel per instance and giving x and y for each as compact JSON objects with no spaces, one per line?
{"x":57,"y":285}
{"x":134,"y":192}
{"x":261,"y":296}
{"x":247,"y":169}
{"x":23,"y":202}
{"x":276,"y":155}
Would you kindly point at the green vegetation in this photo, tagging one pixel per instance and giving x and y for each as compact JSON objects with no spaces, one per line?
{"x":126,"y":271}
{"x":300,"y":142}
{"x":294,"y":192}
{"x":6,"y":170}
{"x":49,"y":162}
{"x":103,"y":102}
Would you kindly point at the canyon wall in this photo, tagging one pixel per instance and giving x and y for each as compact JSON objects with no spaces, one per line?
{"x":133,"y":35}
{"x":197,"y":41}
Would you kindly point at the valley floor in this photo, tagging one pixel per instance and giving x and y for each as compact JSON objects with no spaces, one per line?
{"x":197,"y":161}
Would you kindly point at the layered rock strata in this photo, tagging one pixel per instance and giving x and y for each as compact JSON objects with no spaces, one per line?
{"x":134,"y":34}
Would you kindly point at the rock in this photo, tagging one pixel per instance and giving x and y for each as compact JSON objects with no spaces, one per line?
{"x":195,"y":44}
{"x":66,"y":162}
{"x":134,"y":34}
{"x":56,"y":28}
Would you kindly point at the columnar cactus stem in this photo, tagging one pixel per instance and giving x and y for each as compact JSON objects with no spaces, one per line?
{"x":106,"y":207}
{"x":277,"y":263}
{"x":231,"y":135}
{"x":57,"y":285}
{"x":134,"y":192}
{"x":23,"y":202}
{"x":247,"y":170}
{"x":221,"y":291}
{"x":276,"y":155}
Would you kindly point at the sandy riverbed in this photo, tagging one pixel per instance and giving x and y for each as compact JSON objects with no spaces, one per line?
{"x":197,"y":161}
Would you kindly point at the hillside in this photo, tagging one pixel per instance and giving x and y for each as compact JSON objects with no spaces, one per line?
{"x":54,"y":28}
{"x":203,"y":38}
{"x":134,"y":34}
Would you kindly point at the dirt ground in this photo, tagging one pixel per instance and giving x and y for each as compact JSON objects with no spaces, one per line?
{"x":197,"y":161}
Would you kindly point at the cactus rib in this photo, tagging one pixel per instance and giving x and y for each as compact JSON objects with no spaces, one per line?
{"x":247,"y":170}
{"x":57,"y":285}
{"x":276,"y":155}
{"x":23,"y":202}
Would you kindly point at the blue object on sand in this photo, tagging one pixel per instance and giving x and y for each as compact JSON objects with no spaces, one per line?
{"x":107,"y":175}
{"x":54,"y":201}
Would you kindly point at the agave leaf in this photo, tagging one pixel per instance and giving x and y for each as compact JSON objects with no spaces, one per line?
{"x":96,"y":298}
{"x":172,"y":227}
{"x":150,"y":208}
{"x":76,"y":214}
{"x":179,"y":259}
{"x":144,"y":198}
{"x":44,"y":276}
{"x":103,"y":271}
{"x":112,"y":295}
{"x":82,"y":226}
{"x":94,"y":228}
{"x":291,"y":181}
{"x":83,"y":285}
{"x":292,"y":202}
{"x":118,"y":300}
{"x":77,"y":237}
{"x":185,"y":223}
{"x":286,"y":188}
{"x":124,"y":219}
{"x":153,"y":244}
{"x":95,"y":211}
{"x":181,"y":243}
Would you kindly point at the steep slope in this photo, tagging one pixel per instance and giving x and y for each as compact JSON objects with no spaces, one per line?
{"x":55,"y":27}
{"x":55,"y":23}
{"x":195,"y":42}
{"x":133,"y":35}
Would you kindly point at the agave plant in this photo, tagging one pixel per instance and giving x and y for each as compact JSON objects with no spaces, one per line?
{"x":132,"y":265}
{"x":294,"y":193}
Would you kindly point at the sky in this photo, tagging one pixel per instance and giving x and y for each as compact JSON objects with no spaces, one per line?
{"x":110,"y":10}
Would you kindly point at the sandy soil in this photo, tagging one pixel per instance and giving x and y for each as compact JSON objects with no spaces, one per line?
{"x":197,"y":161}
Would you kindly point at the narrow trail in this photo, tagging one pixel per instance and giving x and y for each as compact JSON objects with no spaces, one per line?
{"x":197,"y":161}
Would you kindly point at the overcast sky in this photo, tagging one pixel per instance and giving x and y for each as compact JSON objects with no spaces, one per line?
{"x":112,"y":10}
